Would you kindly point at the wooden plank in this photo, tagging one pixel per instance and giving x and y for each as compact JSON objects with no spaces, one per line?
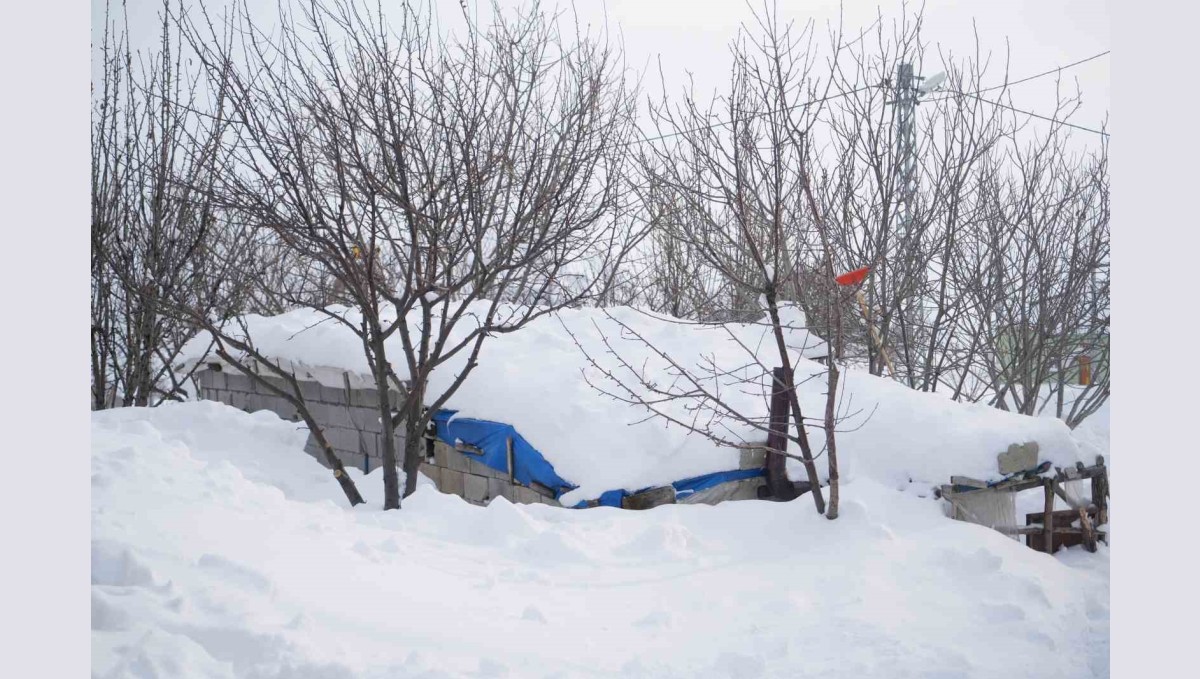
{"x":967,"y":481}
{"x":1048,"y":525}
{"x":508,"y":445}
{"x":1100,"y":493}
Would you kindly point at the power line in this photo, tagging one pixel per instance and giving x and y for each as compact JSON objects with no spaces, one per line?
{"x":1045,"y":73}
{"x":725,"y":123}
{"x":1035,"y":115}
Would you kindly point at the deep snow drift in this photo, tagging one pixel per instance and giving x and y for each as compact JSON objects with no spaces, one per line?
{"x":221,"y":550}
{"x":532,"y":380}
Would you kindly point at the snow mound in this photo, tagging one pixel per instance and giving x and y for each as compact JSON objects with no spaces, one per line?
{"x":220,"y":550}
{"x":538,"y":380}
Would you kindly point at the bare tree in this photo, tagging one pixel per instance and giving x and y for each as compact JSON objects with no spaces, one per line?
{"x":452,"y":190}
{"x":731,"y":196}
{"x":151,"y":231}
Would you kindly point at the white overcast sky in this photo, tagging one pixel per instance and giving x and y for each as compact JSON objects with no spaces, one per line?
{"x":693,"y":36}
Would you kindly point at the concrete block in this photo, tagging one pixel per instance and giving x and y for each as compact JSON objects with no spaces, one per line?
{"x":525,"y":496}
{"x":434,"y":474}
{"x":204,"y":378}
{"x":440,"y":456}
{"x":334,"y":395}
{"x":457,"y":461}
{"x":330,"y":415}
{"x":452,"y":482}
{"x":500,"y":488}
{"x":239,"y":400}
{"x":474,"y":466}
{"x":370,"y":445}
{"x":366,"y":419}
{"x":541,"y":490}
{"x":1018,"y":457}
{"x":366,"y":398}
{"x":343,"y":439}
{"x":237,"y":382}
{"x":475,"y":488}
{"x":310,"y":390}
{"x":752,"y":458}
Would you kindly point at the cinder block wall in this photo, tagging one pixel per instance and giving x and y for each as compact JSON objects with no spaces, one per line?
{"x":350,"y":420}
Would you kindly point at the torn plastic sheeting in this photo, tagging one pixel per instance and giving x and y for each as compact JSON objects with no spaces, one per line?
{"x":529,"y":466}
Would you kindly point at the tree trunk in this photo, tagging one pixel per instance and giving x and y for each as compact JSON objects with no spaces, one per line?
{"x":801,"y":434}
{"x":391,"y":479}
{"x":413,"y":431}
{"x":831,"y":440}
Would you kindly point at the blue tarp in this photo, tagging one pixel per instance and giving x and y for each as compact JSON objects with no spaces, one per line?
{"x":491,"y":437}
{"x":530,"y":466}
{"x":682,"y":488}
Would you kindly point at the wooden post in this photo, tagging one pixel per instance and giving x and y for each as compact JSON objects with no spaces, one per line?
{"x":512,"y":473}
{"x":1100,"y":492}
{"x":1048,"y":520}
{"x":777,"y":480}
{"x":862,"y":303}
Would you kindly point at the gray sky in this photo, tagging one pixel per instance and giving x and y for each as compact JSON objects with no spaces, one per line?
{"x":693,"y":36}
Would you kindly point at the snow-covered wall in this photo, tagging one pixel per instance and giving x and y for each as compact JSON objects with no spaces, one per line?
{"x":534,"y":380}
{"x":351,"y":425}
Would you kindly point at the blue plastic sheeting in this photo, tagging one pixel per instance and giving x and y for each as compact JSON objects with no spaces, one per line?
{"x":491,"y":437}
{"x":686,"y":487}
{"x":530,"y":466}
{"x":682,"y":488}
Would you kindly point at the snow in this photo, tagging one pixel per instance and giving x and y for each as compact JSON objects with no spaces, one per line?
{"x":220,"y":549}
{"x":531,"y":379}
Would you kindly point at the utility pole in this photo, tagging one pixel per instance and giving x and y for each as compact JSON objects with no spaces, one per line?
{"x":905,"y":114}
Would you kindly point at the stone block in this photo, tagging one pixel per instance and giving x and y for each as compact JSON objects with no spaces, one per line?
{"x":500,"y":488}
{"x":752,"y":458}
{"x":1018,"y":457}
{"x":475,"y":488}
{"x":452,"y":482}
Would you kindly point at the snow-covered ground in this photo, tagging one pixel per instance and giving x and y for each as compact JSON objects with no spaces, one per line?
{"x":221,"y":550}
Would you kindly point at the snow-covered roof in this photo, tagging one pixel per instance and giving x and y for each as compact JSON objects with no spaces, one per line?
{"x":534,"y":379}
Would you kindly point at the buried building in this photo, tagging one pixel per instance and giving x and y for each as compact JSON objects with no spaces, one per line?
{"x":530,"y":425}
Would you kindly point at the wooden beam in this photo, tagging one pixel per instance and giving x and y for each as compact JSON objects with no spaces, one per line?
{"x":1048,"y":525}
